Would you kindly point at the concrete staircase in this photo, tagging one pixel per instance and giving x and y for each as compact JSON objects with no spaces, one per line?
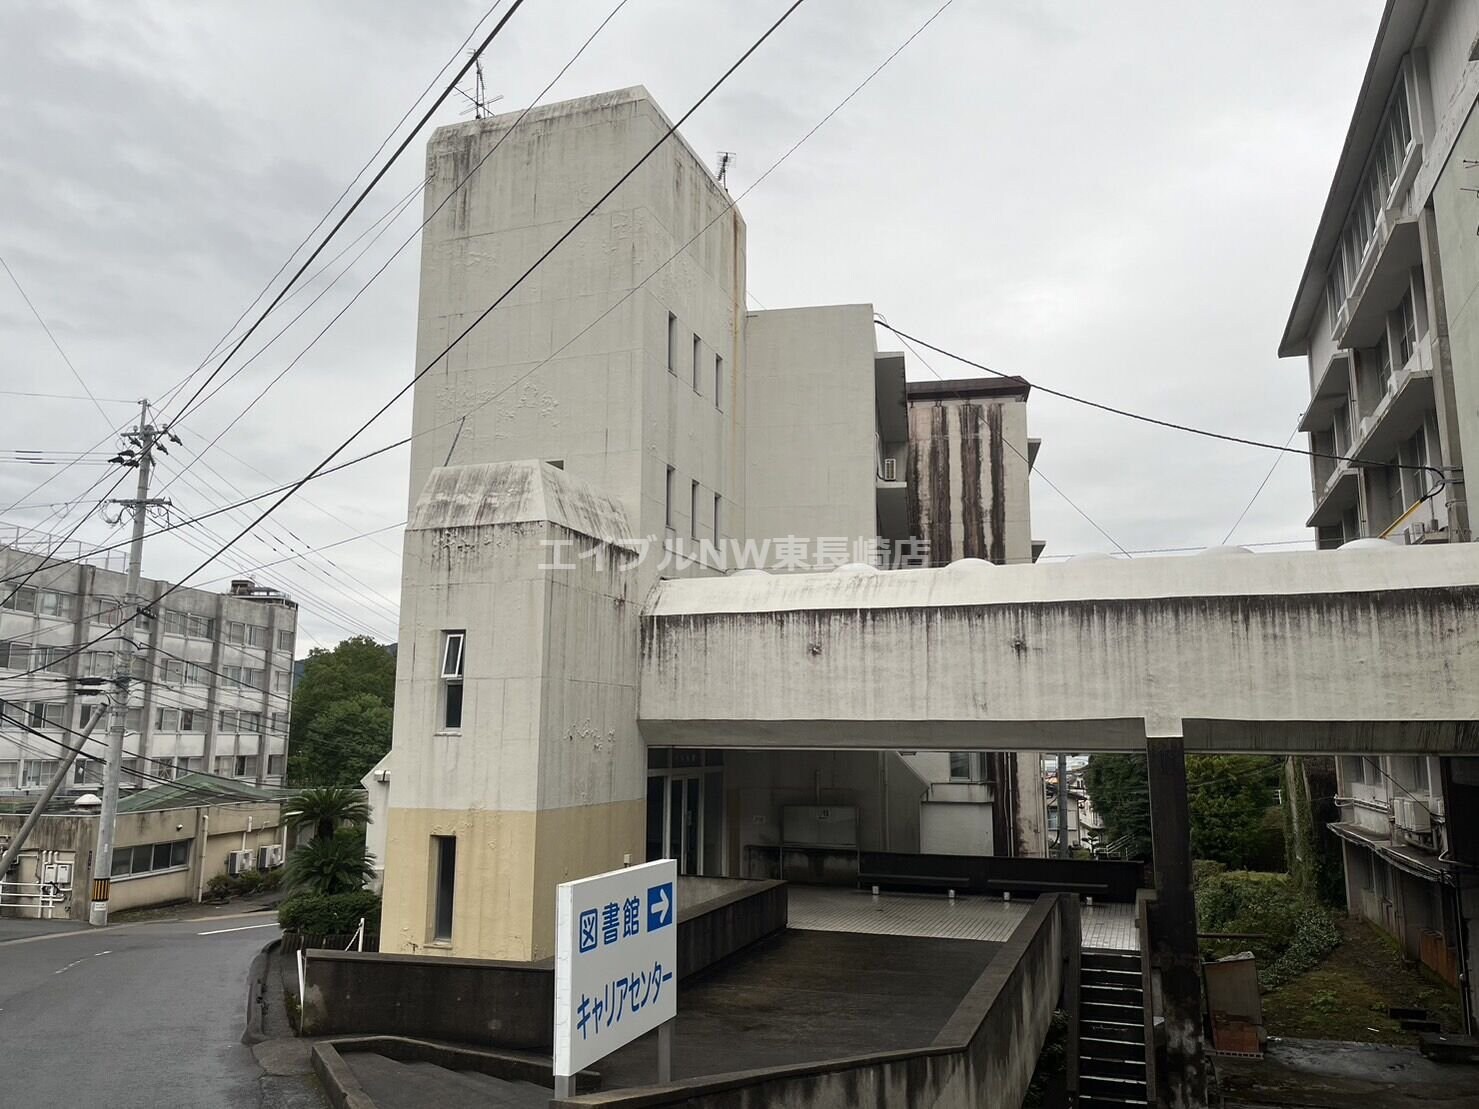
{"x":1111,"y":1065}
{"x":394,"y":1085}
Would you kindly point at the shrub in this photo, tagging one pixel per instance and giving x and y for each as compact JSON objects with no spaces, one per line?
{"x":335,"y":914}
{"x":219,"y":887}
{"x":337,"y":864}
{"x":1295,"y":931}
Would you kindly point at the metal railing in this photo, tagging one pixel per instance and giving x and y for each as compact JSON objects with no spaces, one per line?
{"x":42,"y":899}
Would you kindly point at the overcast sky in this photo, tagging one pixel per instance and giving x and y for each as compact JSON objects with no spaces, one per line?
{"x":1111,"y":198}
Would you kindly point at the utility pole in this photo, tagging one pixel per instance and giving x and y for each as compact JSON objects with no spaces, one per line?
{"x":143,"y":440}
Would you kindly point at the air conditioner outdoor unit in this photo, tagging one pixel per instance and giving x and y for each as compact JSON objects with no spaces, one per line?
{"x":238,"y":863}
{"x":890,"y":469}
{"x":269,"y":856}
{"x":1412,"y":815}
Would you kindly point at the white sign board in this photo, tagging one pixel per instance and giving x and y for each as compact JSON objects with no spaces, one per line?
{"x":616,"y":961}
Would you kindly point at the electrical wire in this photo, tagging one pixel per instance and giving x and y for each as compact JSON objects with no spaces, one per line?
{"x":226,"y":338}
{"x":1031,"y":468}
{"x":1259,"y":491}
{"x":46,"y":328}
{"x":318,"y":469}
{"x":1440,"y":478}
{"x":415,"y":234}
{"x":472,"y":60}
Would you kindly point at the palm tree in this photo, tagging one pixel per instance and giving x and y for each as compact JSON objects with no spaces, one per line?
{"x":330,"y":864}
{"x":327,"y":808}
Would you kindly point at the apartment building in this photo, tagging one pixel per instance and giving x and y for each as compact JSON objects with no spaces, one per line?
{"x":626,"y":391}
{"x":212,"y":687}
{"x":1386,"y":317}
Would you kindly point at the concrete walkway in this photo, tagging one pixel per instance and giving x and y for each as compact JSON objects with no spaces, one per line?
{"x":801,"y":996}
{"x":1331,"y":1074}
{"x":834,"y":909}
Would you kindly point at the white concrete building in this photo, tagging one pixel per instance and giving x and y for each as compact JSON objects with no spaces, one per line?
{"x":625,"y":417}
{"x":1387,"y":318}
{"x":213,"y":679}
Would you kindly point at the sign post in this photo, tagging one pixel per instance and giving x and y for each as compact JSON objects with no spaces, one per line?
{"x":616,"y":966}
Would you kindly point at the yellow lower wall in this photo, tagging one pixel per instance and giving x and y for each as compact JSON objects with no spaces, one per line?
{"x":508,"y":864}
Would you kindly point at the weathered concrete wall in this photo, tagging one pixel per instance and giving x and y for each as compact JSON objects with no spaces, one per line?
{"x":810,"y":423}
{"x":984,"y":1055}
{"x":606,"y":405}
{"x":969,"y":476}
{"x":1358,"y":650}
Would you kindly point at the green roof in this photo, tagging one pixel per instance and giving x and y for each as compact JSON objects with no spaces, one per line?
{"x":190,"y":790}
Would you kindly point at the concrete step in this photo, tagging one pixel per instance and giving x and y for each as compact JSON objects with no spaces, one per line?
{"x":1113,"y":1030}
{"x":1114,"y":1014}
{"x":1100,"y":1047}
{"x":1118,"y":993}
{"x":1110,"y":960}
{"x":1107,"y":976}
{"x":1118,"y":1089}
{"x":1106,"y":1067}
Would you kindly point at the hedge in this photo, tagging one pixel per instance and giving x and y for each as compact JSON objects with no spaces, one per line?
{"x":334,"y":914}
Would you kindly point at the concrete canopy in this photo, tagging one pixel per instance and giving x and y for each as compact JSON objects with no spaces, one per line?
{"x":1352,"y":650}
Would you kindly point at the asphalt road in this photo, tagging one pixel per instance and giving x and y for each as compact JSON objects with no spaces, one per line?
{"x":147,"y":1015}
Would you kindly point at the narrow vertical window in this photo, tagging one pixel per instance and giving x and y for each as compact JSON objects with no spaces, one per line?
{"x":672,"y":344}
{"x":452,"y":649}
{"x":444,"y":862}
{"x":693,"y":510}
{"x":718,"y":382}
{"x":716,"y":518}
{"x":698,"y":356}
{"x":668,"y":500}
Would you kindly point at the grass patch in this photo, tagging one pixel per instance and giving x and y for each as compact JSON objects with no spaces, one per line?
{"x":1347,"y":995}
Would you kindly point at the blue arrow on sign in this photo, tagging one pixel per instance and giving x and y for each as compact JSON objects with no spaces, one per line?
{"x":660,"y":906}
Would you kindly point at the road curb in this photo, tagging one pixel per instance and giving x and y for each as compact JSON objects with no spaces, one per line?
{"x":256,"y":1004}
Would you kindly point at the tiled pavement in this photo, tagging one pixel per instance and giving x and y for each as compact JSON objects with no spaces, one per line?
{"x":833,"y":909}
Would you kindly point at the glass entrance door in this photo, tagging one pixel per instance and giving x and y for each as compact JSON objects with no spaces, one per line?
{"x":685,"y":822}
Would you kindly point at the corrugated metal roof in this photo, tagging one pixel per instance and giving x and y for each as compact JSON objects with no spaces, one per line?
{"x":191,"y":790}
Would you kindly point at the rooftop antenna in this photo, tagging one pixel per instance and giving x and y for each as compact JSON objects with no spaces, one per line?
{"x":726,"y":159}
{"x":479,"y":100}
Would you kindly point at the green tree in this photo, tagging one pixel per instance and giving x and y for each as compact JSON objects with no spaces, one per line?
{"x":327,"y":809}
{"x":344,"y":742}
{"x":1228,"y":796}
{"x":1231,"y":796}
{"x":337,"y":734}
{"x":330,"y":864}
{"x":1116,"y":785}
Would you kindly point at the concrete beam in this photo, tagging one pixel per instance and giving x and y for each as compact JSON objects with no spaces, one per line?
{"x":1356,"y":650}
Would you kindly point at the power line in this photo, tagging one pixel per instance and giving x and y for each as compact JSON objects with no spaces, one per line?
{"x":318,"y":469}
{"x":502,"y":138}
{"x":731,"y":203}
{"x":66,"y":396}
{"x":44,"y":327}
{"x":225,"y":339}
{"x":1440,"y":478}
{"x":1031,"y":468}
{"x":354,"y":206}
{"x":1257,"y":492}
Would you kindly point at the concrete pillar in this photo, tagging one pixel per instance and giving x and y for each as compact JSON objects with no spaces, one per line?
{"x":1173,"y":938}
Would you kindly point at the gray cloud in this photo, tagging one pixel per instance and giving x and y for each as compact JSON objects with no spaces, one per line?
{"x":1113,"y":199}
